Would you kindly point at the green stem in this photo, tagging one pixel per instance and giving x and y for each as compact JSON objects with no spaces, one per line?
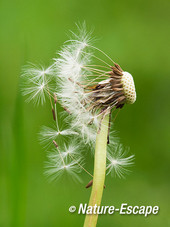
{"x":99,"y":171}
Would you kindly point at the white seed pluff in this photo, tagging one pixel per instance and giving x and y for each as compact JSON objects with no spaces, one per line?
{"x":129,"y":87}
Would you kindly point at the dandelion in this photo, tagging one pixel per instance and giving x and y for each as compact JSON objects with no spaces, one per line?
{"x":92,"y":89}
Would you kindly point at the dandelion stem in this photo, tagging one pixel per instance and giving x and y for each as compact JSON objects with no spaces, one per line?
{"x":99,"y":171}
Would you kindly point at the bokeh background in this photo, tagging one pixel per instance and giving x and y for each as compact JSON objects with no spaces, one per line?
{"x":136,"y":35}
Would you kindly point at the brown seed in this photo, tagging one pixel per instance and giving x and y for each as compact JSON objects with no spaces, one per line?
{"x":89,"y":184}
{"x":53,"y":112}
{"x":56,"y":145}
{"x":116,"y":71}
{"x":118,"y":67}
{"x":117,"y":89}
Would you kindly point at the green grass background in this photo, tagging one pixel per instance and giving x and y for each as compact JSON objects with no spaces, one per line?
{"x":136,"y":35}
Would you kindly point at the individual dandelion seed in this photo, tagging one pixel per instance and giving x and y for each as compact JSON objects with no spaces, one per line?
{"x":63,"y":162}
{"x":37,"y":83}
{"x":56,"y":169}
{"x":47,"y":134}
{"x":67,"y":161}
{"x":118,"y":161}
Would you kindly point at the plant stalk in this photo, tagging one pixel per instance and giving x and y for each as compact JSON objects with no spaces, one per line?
{"x":99,"y":171}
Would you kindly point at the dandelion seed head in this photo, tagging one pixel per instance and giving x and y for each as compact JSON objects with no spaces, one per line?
{"x":87,"y":87}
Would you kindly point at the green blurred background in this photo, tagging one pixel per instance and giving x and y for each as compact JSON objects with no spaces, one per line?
{"x":136,"y":35}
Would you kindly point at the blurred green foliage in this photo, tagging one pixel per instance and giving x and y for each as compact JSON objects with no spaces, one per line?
{"x":136,"y":35}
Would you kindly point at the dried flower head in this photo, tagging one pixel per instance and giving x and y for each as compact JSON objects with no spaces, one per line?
{"x":87,"y":87}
